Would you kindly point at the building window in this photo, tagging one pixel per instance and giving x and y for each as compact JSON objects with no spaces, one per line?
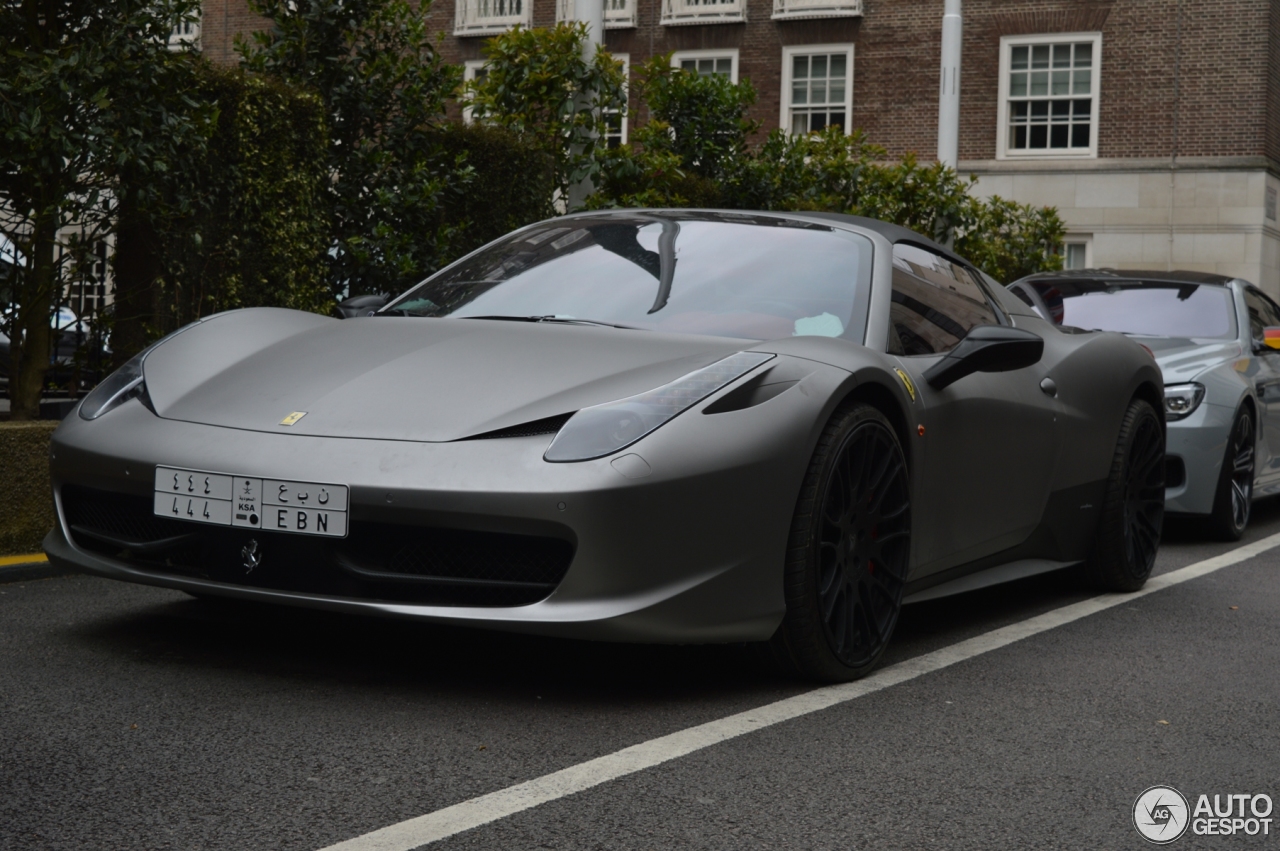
{"x":1077,"y":252}
{"x":817,"y":87}
{"x":675,"y":12}
{"x":708,"y":62}
{"x":489,"y":17}
{"x":616,"y":134}
{"x":185,"y":33}
{"x":473,"y":70}
{"x":1049,"y":95}
{"x":795,"y":9}
{"x":618,"y":14}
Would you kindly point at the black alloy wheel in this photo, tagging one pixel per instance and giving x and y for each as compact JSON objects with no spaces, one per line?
{"x":1133,"y":507}
{"x":1233,"y":501}
{"x":849,"y":549}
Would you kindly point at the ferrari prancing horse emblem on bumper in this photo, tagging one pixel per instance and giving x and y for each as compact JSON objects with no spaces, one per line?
{"x":250,"y":556}
{"x":293,"y":418}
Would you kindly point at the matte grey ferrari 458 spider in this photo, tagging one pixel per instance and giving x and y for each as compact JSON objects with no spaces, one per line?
{"x":666,"y":426}
{"x":1215,"y":339}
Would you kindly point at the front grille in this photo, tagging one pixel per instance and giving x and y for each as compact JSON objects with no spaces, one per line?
{"x":121,"y":516}
{"x":378,"y":561}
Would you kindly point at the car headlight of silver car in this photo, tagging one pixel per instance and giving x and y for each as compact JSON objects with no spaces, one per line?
{"x":117,"y":388}
{"x":1180,"y":400}
{"x":605,"y":429}
{"x":127,"y":382}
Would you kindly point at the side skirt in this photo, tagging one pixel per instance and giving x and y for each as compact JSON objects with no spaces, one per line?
{"x":1064,"y":537}
{"x":991,"y":576}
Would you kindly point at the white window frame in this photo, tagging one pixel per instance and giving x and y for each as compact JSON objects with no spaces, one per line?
{"x":467,"y":24}
{"x":614,"y":19}
{"x":784,"y":112}
{"x":794,"y":10}
{"x":469,"y":69}
{"x":720,"y":53}
{"x":1007,"y":43}
{"x":625,"y":59}
{"x":180,"y":40}
{"x":1085,"y":239}
{"x":679,"y":12}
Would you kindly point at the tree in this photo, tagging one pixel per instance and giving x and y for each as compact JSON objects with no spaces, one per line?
{"x":88,"y":90}
{"x":383,"y":87}
{"x":538,"y":86}
{"x":695,"y":152}
{"x":256,"y":228}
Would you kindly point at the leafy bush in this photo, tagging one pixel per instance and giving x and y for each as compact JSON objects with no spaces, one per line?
{"x":695,"y":152}
{"x":539,"y":86}
{"x":26,"y":503}
{"x":511,"y":184}
{"x":383,"y":87}
{"x":258,"y":231}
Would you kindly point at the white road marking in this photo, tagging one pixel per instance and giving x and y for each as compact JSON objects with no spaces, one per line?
{"x":466,"y":815}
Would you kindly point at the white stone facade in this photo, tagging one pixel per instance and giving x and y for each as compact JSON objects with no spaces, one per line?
{"x":1207,"y":214}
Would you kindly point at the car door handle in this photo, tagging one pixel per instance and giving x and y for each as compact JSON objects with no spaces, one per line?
{"x":1049,"y":386}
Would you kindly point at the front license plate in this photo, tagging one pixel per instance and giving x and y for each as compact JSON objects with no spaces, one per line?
{"x":224,"y":499}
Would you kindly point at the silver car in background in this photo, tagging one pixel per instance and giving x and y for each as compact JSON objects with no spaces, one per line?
{"x":1222,"y":380}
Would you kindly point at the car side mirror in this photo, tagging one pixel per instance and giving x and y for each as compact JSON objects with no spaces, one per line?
{"x":986,"y":348}
{"x":360,"y":305}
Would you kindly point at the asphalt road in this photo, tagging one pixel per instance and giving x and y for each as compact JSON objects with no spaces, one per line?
{"x":137,"y":718}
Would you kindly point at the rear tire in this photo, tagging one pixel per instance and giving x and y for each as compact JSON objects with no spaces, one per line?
{"x":848,"y":550}
{"x":1133,"y":507}
{"x":1233,"y":500}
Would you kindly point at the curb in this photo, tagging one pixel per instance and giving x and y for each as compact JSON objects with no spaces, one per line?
{"x":23,"y":568}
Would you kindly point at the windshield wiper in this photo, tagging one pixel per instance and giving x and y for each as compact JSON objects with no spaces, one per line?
{"x":566,"y":320}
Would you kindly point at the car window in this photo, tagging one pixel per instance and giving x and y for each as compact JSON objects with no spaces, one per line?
{"x":935,"y":303}
{"x":1139,"y":307}
{"x":1263,"y":313}
{"x":724,"y":274}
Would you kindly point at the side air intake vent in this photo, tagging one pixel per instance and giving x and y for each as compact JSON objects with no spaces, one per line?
{"x":550,"y":425}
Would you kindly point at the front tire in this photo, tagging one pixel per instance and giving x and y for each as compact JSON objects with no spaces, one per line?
{"x":1233,"y":500}
{"x":847,"y":554}
{"x":1133,"y":507}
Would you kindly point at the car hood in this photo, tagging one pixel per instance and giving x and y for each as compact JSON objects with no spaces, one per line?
{"x":1182,"y":359}
{"x":398,"y":378}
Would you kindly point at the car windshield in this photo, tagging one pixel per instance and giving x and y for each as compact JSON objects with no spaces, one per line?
{"x":1142,"y":308}
{"x":729,"y":275}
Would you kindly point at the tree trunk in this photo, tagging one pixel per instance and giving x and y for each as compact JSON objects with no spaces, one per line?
{"x":137,"y":269}
{"x":32,"y":341}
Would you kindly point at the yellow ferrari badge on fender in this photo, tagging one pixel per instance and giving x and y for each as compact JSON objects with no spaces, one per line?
{"x":297,"y":415}
{"x":906,"y":382}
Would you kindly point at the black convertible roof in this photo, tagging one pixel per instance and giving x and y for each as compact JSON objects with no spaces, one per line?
{"x":891,"y":232}
{"x":1152,"y":276}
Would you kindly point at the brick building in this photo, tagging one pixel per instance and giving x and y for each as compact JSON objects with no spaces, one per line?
{"x":1152,"y":125}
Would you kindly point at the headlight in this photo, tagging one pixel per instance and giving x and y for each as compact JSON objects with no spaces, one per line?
{"x":116,"y":389}
{"x":605,"y":429}
{"x":1181,"y":399}
{"x":126,"y":382}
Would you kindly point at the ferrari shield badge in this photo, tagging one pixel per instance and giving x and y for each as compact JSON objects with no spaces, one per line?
{"x":297,"y":415}
{"x":906,"y":382}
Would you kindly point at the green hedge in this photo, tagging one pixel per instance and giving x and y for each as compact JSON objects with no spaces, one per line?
{"x":26,"y":504}
{"x":511,"y":184}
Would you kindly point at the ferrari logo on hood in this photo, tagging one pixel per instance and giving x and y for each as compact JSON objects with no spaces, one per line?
{"x":297,"y":415}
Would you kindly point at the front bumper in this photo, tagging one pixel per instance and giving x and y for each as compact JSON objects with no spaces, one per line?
{"x":691,"y":552}
{"x":1200,"y":441}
